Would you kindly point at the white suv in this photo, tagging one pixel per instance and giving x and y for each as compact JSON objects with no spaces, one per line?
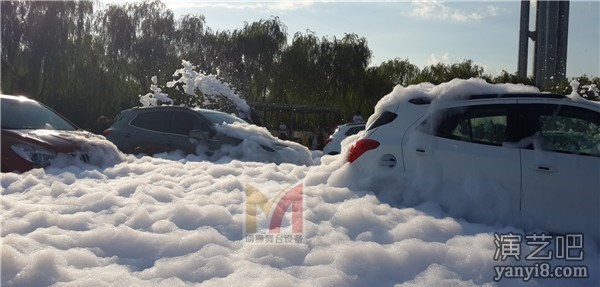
{"x":530,"y":158}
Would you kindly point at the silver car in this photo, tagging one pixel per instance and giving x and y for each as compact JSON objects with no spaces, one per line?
{"x":153,"y":130}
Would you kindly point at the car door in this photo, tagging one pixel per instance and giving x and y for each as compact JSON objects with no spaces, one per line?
{"x":561,"y":172}
{"x":181,"y":123}
{"x":466,"y":149}
{"x":150,"y":132}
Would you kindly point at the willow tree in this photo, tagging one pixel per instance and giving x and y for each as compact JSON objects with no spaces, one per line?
{"x":351,"y":56}
{"x":193,"y":42}
{"x":45,"y":51}
{"x":383,"y":78}
{"x":440,"y":72}
{"x":139,"y":39}
{"x":299,"y":75}
{"x":260,"y":46}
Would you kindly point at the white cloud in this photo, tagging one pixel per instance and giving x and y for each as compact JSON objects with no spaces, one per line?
{"x":492,"y":10}
{"x":262,"y":5}
{"x":434,"y":9}
{"x":444,"y":58}
{"x":448,"y":59}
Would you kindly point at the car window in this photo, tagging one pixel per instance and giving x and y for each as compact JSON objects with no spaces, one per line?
{"x":383,"y":119}
{"x":200,"y":124}
{"x":570,"y":130}
{"x":354,"y":130}
{"x":154,"y":121}
{"x":182,"y":123}
{"x":17,"y":114}
{"x":478,"y":124}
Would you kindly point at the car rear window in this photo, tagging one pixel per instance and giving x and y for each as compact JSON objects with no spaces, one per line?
{"x":383,"y":119}
{"x":354,"y":130}
{"x":27,"y":114}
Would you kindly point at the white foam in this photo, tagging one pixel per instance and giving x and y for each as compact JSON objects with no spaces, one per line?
{"x":177,"y":220}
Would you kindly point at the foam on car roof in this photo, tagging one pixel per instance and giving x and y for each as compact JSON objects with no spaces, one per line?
{"x":455,"y":89}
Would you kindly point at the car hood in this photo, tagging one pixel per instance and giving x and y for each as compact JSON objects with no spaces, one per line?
{"x":251,"y":139}
{"x":59,"y":141}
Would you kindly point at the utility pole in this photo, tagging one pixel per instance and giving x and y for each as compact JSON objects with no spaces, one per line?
{"x":524,"y":35}
{"x":550,"y":38}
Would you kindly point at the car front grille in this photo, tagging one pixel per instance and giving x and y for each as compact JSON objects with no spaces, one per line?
{"x":83,"y":157}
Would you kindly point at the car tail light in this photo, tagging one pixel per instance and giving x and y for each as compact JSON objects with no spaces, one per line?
{"x":360,"y":147}
{"x":107,"y":132}
{"x":328,"y":140}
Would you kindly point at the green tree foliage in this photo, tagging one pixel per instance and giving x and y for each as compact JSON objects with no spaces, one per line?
{"x":192,"y":41}
{"x":383,"y":78}
{"x":45,"y":47}
{"x":140,"y":39}
{"x":260,"y":46}
{"x":299,"y":72}
{"x":439,"y":73}
{"x":85,"y":59}
{"x":587,"y":87}
{"x":506,"y":77}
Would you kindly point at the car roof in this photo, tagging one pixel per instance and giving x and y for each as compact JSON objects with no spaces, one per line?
{"x":166,"y":107}
{"x":427,"y":100}
{"x":16,"y":98}
{"x":353,"y":124}
{"x":517,"y":95}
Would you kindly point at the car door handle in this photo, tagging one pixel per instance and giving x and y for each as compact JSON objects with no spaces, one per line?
{"x":421,"y":151}
{"x":546,"y":169}
{"x":388,"y":160}
{"x":126,"y":135}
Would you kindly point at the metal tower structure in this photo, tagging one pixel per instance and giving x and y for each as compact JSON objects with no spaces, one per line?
{"x":550,"y":39}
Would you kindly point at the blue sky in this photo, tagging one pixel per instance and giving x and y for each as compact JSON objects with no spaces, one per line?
{"x":424,"y":32}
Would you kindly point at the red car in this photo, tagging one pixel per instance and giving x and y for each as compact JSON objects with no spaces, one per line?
{"x":33,"y":135}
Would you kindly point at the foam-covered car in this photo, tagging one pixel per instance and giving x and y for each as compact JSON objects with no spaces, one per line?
{"x":157,"y":129}
{"x":33,"y":135}
{"x":529,"y":157}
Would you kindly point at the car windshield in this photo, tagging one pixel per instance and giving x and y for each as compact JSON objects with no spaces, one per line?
{"x":220,"y":118}
{"x":26,"y":114}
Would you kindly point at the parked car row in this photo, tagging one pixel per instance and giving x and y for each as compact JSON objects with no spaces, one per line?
{"x":541,"y":151}
{"x":33,"y":134}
